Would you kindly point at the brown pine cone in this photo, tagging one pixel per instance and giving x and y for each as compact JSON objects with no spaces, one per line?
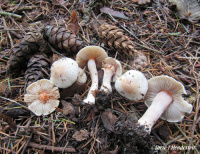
{"x":22,"y":51}
{"x":38,"y":68}
{"x":114,"y":38}
{"x":62,"y":39}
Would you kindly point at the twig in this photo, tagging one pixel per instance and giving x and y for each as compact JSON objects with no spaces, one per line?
{"x":26,"y":145}
{"x":14,"y":102}
{"x":17,"y":6}
{"x":144,"y":45}
{"x":196,"y":113}
{"x":9,"y":36}
{"x":10,"y":14}
{"x":173,"y":140}
{"x":42,"y":136}
{"x":64,"y":6}
{"x":60,"y":149}
{"x":163,"y":143}
{"x":17,"y":143}
{"x":5,"y":149}
{"x":61,"y":137}
{"x":186,"y":137}
{"x":21,"y":147}
{"x":94,"y":136}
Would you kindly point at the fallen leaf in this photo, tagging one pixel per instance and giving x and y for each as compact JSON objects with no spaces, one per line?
{"x":187,"y":9}
{"x":113,"y":12}
{"x":108,"y":120}
{"x":141,"y":2}
{"x":59,"y":2}
{"x":81,"y":135}
{"x":68,"y":108}
{"x":3,"y":86}
{"x":8,"y":120}
{"x":73,"y":23}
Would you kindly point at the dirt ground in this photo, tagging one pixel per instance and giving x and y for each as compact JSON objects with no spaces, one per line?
{"x":170,"y":44}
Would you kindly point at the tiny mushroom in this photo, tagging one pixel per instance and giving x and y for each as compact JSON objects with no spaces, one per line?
{"x":133,"y":85}
{"x":42,"y":97}
{"x":76,"y":87}
{"x":112,"y":70}
{"x":164,"y":100}
{"x":82,"y":78}
{"x":64,"y":72}
{"x":92,"y":56}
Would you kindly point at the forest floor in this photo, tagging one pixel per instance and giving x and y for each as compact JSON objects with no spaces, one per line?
{"x":171,"y":45}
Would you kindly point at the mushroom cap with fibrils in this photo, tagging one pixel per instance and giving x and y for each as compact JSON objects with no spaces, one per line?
{"x":133,"y":85}
{"x":118,"y":67}
{"x":64,"y":72}
{"x":175,"y":111}
{"x":42,"y":97}
{"x":91,"y":52}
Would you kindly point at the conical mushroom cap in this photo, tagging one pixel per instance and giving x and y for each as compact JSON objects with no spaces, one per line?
{"x":175,"y":112}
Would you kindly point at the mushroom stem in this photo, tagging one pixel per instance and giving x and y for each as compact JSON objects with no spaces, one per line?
{"x":94,"y":77}
{"x":155,"y":110}
{"x":106,"y":84}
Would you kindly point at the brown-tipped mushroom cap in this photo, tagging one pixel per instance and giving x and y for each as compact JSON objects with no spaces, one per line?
{"x":91,"y":52}
{"x":133,"y":85}
{"x":175,"y":112}
{"x":64,"y":72}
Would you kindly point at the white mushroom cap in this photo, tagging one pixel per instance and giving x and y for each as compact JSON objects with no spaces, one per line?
{"x":133,"y":85}
{"x":82,"y":78}
{"x":109,"y":62}
{"x":64,"y":72}
{"x":91,"y":52}
{"x":175,"y":111}
{"x":42,"y":97}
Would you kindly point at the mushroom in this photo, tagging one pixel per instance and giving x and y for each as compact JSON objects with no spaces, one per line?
{"x":42,"y":97}
{"x":82,"y":78}
{"x":164,"y":100}
{"x":64,"y":72}
{"x":77,"y":86}
{"x":133,"y":85}
{"x":92,"y":56}
{"x":112,"y":70}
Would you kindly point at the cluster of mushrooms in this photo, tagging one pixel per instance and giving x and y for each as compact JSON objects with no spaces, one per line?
{"x":162,"y":94}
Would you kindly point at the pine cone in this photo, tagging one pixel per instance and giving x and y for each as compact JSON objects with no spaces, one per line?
{"x":139,"y":61}
{"x":62,"y":39}
{"x":114,"y":38}
{"x":22,"y":51}
{"x":38,"y":68}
